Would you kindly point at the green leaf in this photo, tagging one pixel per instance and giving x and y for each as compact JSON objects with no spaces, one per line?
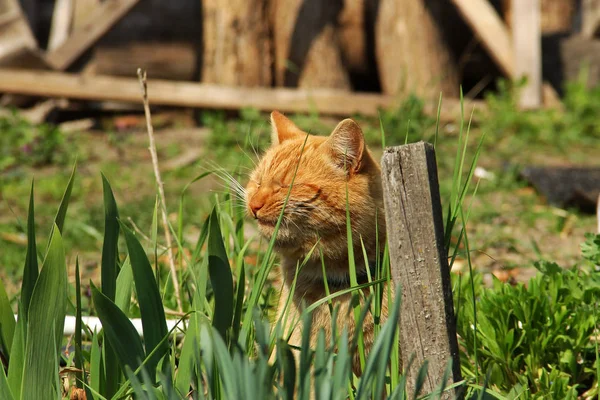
{"x":61,"y":214}
{"x":17,"y":358}
{"x":78,"y":325}
{"x":220,"y":278}
{"x":381,"y":350}
{"x":31,"y":270}
{"x":5,"y":392}
{"x":111,"y":238}
{"x":188,"y":357}
{"x":119,"y":331}
{"x":7,"y":322}
{"x":239,"y":302}
{"x":95,"y":364}
{"x":287,"y":366}
{"x":45,"y":323}
{"x":108,"y":274}
{"x":124,"y":286}
{"x":151,"y":307}
{"x":421,"y":376}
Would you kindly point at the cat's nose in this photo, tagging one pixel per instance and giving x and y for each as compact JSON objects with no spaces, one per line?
{"x":256,"y":203}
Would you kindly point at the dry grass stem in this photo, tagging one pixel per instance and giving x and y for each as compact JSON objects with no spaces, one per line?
{"x":161,"y":192}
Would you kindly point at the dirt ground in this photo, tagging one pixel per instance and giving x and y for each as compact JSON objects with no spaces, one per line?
{"x":508,"y":230}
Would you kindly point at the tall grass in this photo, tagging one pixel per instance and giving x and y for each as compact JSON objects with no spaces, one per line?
{"x":224,"y":347}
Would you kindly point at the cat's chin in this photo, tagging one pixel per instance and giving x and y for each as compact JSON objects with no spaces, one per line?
{"x":284,"y":239}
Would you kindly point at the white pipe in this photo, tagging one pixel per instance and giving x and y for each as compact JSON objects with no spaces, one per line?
{"x":94,"y":324}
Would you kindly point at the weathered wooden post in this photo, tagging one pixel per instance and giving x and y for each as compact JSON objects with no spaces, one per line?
{"x":419,"y":262}
{"x":527,"y":46}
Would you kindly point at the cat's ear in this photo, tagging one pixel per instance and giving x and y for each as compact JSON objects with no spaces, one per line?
{"x":347,"y":145}
{"x":282,"y":129}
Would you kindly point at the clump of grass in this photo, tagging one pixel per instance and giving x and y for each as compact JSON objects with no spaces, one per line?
{"x":23,"y":143}
{"x":536,"y":340}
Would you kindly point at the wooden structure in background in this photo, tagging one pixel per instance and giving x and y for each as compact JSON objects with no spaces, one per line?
{"x":528,"y":50}
{"x":97,"y":24}
{"x":18,"y":47}
{"x":306,"y":48}
{"x":159,"y":58}
{"x":406,"y":65}
{"x":590,"y":18}
{"x":307,"y":44}
{"x":491,"y":30}
{"x":198,"y":95}
{"x":237,"y":47}
{"x":518,"y":56}
{"x":556,"y":15}
{"x":419,"y":262}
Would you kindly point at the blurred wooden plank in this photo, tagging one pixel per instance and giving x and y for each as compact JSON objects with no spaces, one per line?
{"x":490,"y":29}
{"x":82,"y":38}
{"x":15,"y":35}
{"x":196,"y":95}
{"x":590,"y":18}
{"x":154,"y":57}
{"x":412,"y":53}
{"x":82,"y":9}
{"x":527,"y":44}
{"x":61,"y":23}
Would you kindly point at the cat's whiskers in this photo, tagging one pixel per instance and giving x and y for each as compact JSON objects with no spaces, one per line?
{"x":248,"y":155}
{"x":234,"y":185}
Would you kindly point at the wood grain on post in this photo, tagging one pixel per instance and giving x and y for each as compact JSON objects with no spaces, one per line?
{"x":527,"y":44}
{"x":412,"y":55}
{"x":415,"y":235}
{"x":307,"y":50}
{"x":237,"y":46}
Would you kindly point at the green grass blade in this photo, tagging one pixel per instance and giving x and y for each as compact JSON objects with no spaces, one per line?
{"x":421,"y":376}
{"x":374,"y":369}
{"x":239,"y":302}
{"x":45,"y":322}
{"x":124,"y":287}
{"x":5,"y":392}
{"x":381,"y":131}
{"x":305,"y":356}
{"x":95,"y":364}
{"x":287,"y":365}
{"x":225,"y":367}
{"x":111,"y":237}
{"x":108,"y":273}
{"x":220,"y":278}
{"x":17,"y":362}
{"x":437,"y":122}
{"x":119,"y":331}
{"x":78,"y":325}
{"x":137,"y":387}
{"x":188,"y":357}
{"x":342,"y":372}
{"x":31,"y":270}
{"x":151,"y":307}
{"x":7,"y":322}
{"x":61,"y":214}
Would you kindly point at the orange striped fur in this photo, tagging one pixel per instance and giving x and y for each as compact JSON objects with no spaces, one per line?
{"x":327,"y":173}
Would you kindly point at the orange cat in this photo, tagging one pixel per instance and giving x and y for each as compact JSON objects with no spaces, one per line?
{"x":330,"y":172}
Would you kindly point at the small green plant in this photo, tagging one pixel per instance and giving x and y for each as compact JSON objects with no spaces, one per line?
{"x":227,"y":345}
{"x":22,"y":143}
{"x":575,"y":122}
{"x":538,"y":338}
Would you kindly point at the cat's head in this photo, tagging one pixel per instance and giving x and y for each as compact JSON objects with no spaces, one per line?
{"x":319,"y":176}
